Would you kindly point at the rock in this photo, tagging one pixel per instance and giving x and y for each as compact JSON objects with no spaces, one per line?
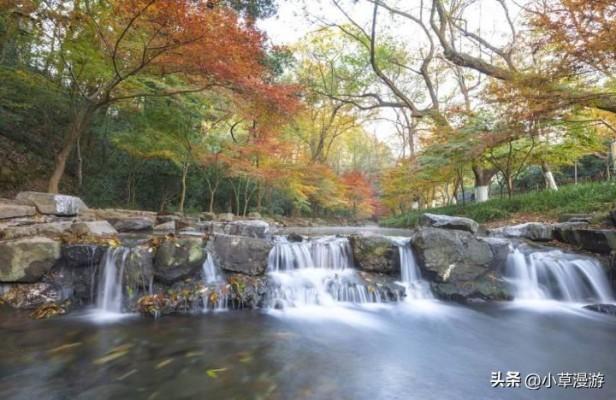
{"x":82,"y":255}
{"x":164,"y":218}
{"x":535,"y":231}
{"x":187,"y":222}
{"x":448,"y":222}
{"x":165,"y":227}
{"x":241,"y":254}
{"x":488,"y":288}
{"x":254,"y":229}
{"x":132,"y":224}
{"x":460,"y":266}
{"x":178,"y":259}
{"x":46,"y":229}
{"x":8,"y":210}
{"x":375,"y":254}
{"x":53,"y":204}
{"x":207,"y":216}
{"x":246,"y":291}
{"x":594,"y":240}
{"x":225,"y":217}
{"x":294,"y":237}
{"x":32,"y":295}
{"x":93,"y":228}
{"x":254,"y":215}
{"x":27,"y":260}
{"x":139,"y":273}
{"x":587,"y":218}
{"x":609,"y":309}
{"x":128,"y":220}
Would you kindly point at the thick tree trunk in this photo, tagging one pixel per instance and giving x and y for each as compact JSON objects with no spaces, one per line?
{"x":550,"y":182}
{"x":77,"y":127}
{"x":482,"y":183}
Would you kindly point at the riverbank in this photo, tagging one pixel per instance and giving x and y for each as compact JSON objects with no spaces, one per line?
{"x":593,"y":200}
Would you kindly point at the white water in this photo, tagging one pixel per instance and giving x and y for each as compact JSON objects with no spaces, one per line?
{"x":110,"y":295}
{"x":555,"y":275}
{"x":416,"y":287}
{"x":316,"y":272}
{"x":215,"y":283}
{"x":211,"y":273}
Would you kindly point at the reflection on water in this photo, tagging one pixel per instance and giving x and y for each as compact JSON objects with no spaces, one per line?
{"x":419,"y":350}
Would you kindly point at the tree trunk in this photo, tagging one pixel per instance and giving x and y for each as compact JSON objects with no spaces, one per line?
{"x":509,"y":181}
{"x":77,"y":127}
{"x":185,"y":167}
{"x":482,"y":183}
{"x":550,"y":182}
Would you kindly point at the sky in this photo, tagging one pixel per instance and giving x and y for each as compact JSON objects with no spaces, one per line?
{"x":296,"y":18}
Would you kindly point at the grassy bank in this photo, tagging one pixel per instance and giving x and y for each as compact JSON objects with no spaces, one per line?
{"x":545,"y":205}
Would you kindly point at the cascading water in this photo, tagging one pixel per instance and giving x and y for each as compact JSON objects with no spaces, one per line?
{"x":316,"y":272}
{"x":216,"y":288}
{"x":110,"y":287}
{"x":556,"y":275}
{"x":416,"y":287}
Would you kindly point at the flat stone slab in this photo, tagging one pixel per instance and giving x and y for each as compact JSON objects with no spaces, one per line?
{"x":8,"y":210}
{"x":53,"y":204}
{"x":448,"y":222}
{"x":94,"y":228}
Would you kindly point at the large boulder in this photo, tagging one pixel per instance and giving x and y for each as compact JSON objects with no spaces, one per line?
{"x":132,"y":224}
{"x":165,"y":227}
{"x":375,"y":254}
{"x":82,"y":255}
{"x":177,"y":259}
{"x":460,"y":266}
{"x":241,"y":254}
{"x":448,"y":222}
{"x":32,"y":295}
{"x":254,"y":229}
{"x":594,"y":240}
{"x":27,"y":260}
{"x":128,"y":220}
{"x":14,"y":210}
{"x":53,"y":204}
{"x":93,"y":228}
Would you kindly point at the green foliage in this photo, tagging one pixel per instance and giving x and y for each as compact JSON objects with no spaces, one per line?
{"x":583,"y":198}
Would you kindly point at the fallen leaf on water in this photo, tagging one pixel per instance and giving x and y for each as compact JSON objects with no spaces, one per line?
{"x":110,"y":357}
{"x":195,"y":354}
{"x":64,"y":347}
{"x":164,"y":363}
{"x":245,"y":357}
{"x":213,"y":373}
{"x":126,"y":375}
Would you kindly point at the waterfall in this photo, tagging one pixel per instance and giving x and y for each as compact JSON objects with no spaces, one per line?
{"x":110,"y":288}
{"x":556,"y":275}
{"x":416,"y":287}
{"x":216,"y":294}
{"x":317,"y":271}
{"x":211,"y":273}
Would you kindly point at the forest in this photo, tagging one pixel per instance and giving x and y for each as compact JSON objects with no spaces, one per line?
{"x":382,"y":109}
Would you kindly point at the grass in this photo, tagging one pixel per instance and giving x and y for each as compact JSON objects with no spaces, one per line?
{"x":547,"y":205}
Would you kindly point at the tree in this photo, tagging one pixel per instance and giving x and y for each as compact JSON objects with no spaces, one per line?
{"x":114,"y":51}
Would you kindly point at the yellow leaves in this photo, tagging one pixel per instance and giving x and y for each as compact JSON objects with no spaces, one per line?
{"x":213,"y":373}
{"x":47,"y":311}
{"x":164,"y":363}
{"x":64,"y":347}
{"x":113,"y":354}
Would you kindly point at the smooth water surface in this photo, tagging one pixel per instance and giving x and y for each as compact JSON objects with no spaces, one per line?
{"x":421,"y":350}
